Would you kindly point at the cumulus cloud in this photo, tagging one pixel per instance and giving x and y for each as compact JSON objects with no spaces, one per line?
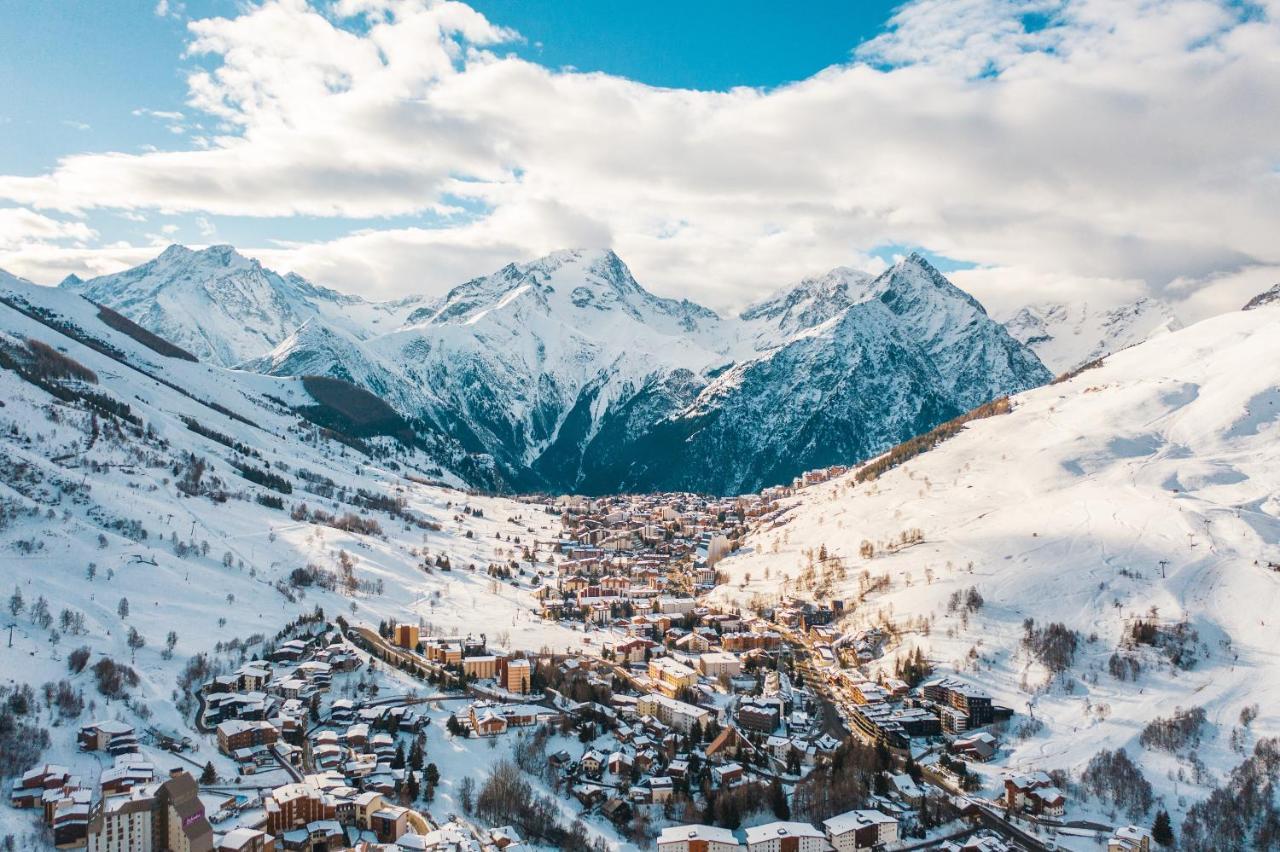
{"x":1064,"y":146}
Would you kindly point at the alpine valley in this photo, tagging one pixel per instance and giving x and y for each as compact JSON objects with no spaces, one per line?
{"x":566,"y":375}
{"x":1027,"y":611}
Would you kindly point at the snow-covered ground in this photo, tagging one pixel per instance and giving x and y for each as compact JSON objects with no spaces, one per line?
{"x":1149,"y":485}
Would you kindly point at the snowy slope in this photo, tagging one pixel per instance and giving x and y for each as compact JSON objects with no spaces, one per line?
{"x":1063,"y":511}
{"x":96,"y":482}
{"x":1068,"y":335}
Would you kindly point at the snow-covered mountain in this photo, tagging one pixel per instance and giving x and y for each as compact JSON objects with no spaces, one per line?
{"x":223,"y":307}
{"x":1267,"y":297}
{"x":907,"y":350}
{"x":572,"y":376}
{"x":1146,"y":488}
{"x":1066,"y":336}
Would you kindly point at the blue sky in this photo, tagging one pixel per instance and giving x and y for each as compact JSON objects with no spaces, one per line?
{"x":92,"y":76}
{"x":1036,"y":149}
{"x":94,"y":63}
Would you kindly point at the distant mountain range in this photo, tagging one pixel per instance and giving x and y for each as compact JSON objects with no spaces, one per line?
{"x":1065,"y":336}
{"x":565,"y":374}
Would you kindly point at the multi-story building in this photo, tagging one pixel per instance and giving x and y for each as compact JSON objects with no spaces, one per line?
{"x":481,"y":668}
{"x":759,"y":716}
{"x":671,"y":677}
{"x":786,"y":837}
{"x":672,"y":713}
{"x":168,"y":816}
{"x":121,"y":824}
{"x":236,"y":734}
{"x":856,"y":831}
{"x":295,"y":805}
{"x":519,"y":675}
{"x":715,"y":664}
{"x":962,"y":697}
{"x":406,"y":636}
{"x":697,"y":838}
{"x":180,"y":824}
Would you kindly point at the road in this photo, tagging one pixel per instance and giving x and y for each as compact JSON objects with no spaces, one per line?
{"x":835,"y":700}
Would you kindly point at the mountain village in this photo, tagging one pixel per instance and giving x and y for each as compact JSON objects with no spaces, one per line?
{"x":674,"y":722}
{"x":403,"y":663}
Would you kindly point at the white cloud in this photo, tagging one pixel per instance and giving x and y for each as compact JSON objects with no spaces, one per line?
{"x":164,"y":115}
{"x":1111,"y":145}
{"x":20,"y":227}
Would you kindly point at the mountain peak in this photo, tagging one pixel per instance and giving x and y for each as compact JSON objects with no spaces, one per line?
{"x":1269,"y":297}
{"x":175,"y":251}
{"x":809,"y":303}
{"x":215,"y":302}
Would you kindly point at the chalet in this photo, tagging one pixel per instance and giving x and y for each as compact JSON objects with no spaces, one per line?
{"x":728,"y":745}
{"x":589,"y":795}
{"x":241,"y":839}
{"x":29,"y":790}
{"x":908,"y":790}
{"x":1047,"y":801}
{"x":1018,"y":790}
{"x":779,"y":748}
{"x":693,"y":643}
{"x":1129,"y":838}
{"x":111,"y":736}
{"x":620,"y":763}
{"x":727,"y":774}
{"x":252,"y":677}
{"x":70,"y":817}
{"x":592,"y":763}
{"x":289,"y":651}
{"x":979,"y":747}
{"x":487,"y":723}
{"x":505,"y":837}
{"x":617,"y":811}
